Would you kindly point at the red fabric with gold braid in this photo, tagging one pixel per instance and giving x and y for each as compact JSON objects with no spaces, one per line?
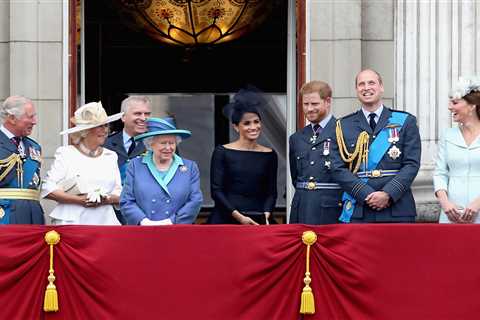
{"x":242,"y":273}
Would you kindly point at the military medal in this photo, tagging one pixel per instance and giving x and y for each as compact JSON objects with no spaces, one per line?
{"x":313,"y":139}
{"x":326,"y":147}
{"x":35,"y":179}
{"x":35,"y":154}
{"x":394,"y":152}
{"x":328,"y":163}
{"x":393,"y":135}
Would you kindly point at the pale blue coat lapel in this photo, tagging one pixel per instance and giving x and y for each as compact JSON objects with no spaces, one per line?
{"x":177,"y":162}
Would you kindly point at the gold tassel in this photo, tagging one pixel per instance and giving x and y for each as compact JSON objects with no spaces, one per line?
{"x":50,"y":303}
{"x":307,"y":305}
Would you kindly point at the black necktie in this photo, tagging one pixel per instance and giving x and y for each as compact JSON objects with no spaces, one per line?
{"x":315,"y":127}
{"x":132,"y":146}
{"x":372,"y":122}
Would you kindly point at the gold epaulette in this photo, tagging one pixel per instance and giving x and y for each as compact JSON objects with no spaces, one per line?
{"x":360,"y":153}
{"x":10,"y":162}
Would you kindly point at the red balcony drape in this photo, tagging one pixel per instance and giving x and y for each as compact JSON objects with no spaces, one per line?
{"x":242,"y":273}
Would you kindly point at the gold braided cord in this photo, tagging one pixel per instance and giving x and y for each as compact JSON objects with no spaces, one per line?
{"x":359,"y":155}
{"x":9,"y":163}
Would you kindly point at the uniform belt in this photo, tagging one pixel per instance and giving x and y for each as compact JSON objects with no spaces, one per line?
{"x":377,"y":173}
{"x":317,"y":185}
{"x":17,"y":193}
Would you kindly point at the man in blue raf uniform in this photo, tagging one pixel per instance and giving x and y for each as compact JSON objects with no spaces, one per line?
{"x":378,"y":158}
{"x":317,"y":198}
{"x":136,"y":110}
{"x":20,"y":162}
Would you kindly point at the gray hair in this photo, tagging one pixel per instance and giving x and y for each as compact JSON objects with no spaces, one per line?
{"x":13,"y":106}
{"x":126,"y":103}
{"x":149,"y":140}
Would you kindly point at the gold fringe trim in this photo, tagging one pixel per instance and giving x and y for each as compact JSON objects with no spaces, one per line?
{"x":307,"y":300}
{"x":50,"y":303}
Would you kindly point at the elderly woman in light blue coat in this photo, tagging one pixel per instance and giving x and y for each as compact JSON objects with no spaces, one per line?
{"x":161,"y":188}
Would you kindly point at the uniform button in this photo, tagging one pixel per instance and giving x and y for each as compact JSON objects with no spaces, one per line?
{"x":153,"y":211}
{"x":374,"y":136}
{"x":298,"y":158}
{"x":313,"y":148}
{"x":166,"y":212}
{"x":154,"y":200}
{"x":167,"y":201}
{"x":311,"y":178}
{"x":352,"y":145}
{"x":339,"y":204}
{"x":312,"y":162}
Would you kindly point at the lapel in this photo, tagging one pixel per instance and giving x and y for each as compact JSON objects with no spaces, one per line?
{"x":361,"y":122}
{"x":382,"y":122}
{"x":139,"y":148}
{"x":6,"y":144}
{"x":118,"y":146}
{"x":307,"y":134}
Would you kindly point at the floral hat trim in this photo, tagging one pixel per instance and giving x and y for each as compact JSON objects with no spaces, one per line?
{"x":464,"y":86}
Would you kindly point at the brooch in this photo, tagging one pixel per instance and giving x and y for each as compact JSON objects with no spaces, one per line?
{"x":183,"y":168}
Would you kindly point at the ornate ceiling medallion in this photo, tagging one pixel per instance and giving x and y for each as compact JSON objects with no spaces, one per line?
{"x":192,"y":23}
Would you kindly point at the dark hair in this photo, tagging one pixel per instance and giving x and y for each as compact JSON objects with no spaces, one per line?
{"x":239,"y":109}
{"x":474,"y":98}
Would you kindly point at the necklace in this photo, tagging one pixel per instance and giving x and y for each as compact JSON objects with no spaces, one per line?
{"x":91,"y":153}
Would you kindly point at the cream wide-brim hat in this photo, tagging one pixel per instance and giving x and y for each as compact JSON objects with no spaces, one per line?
{"x":90,"y":116}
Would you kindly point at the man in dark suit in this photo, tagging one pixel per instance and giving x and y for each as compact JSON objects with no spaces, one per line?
{"x":317,"y":198}
{"x":20,"y":162}
{"x":378,"y":158}
{"x":136,"y":109}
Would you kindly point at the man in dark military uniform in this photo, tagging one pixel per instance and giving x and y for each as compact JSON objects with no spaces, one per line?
{"x":20,"y":162}
{"x":317,"y":198}
{"x":378,"y":158}
{"x":136,"y":110}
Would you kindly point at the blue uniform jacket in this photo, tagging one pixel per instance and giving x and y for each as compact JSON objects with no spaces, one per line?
{"x":21,"y":211}
{"x":402,"y":208}
{"x":143,"y":197}
{"x":309,"y":163}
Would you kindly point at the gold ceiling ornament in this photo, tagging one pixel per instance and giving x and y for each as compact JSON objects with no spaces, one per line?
{"x":193,"y":23}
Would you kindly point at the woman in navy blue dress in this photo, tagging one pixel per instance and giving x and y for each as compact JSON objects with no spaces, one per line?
{"x":243,"y":173}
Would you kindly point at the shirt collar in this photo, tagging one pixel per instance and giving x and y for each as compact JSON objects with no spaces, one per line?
{"x":126,"y":137}
{"x":7,"y":132}
{"x":377,"y":112}
{"x":324,"y":122}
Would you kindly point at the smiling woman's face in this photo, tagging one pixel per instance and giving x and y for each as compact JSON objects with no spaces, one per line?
{"x":461,"y":110}
{"x":164,"y":146}
{"x":249,"y":126}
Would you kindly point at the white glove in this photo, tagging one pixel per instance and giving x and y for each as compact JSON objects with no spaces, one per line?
{"x":148,"y":222}
{"x":96,"y":195}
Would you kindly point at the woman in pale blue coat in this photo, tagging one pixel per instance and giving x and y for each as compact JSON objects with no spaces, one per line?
{"x":457,"y":174}
{"x":161,"y":188}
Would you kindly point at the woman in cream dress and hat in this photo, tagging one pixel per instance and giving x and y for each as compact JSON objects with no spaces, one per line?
{"x":161,"y":188}
{"x":457,"y":174}
{"x":84,"y":178}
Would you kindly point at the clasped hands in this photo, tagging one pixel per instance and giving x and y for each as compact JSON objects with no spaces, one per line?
{"x":378,"y":200}
{"x":460,"y":215}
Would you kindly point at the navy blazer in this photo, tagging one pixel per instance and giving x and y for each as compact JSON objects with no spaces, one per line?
{"x":115,"y":143}
{"x":309,"y":163}
{"x":402,"y":207}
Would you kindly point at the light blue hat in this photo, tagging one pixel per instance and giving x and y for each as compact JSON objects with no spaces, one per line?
{"x":162,"y":126}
